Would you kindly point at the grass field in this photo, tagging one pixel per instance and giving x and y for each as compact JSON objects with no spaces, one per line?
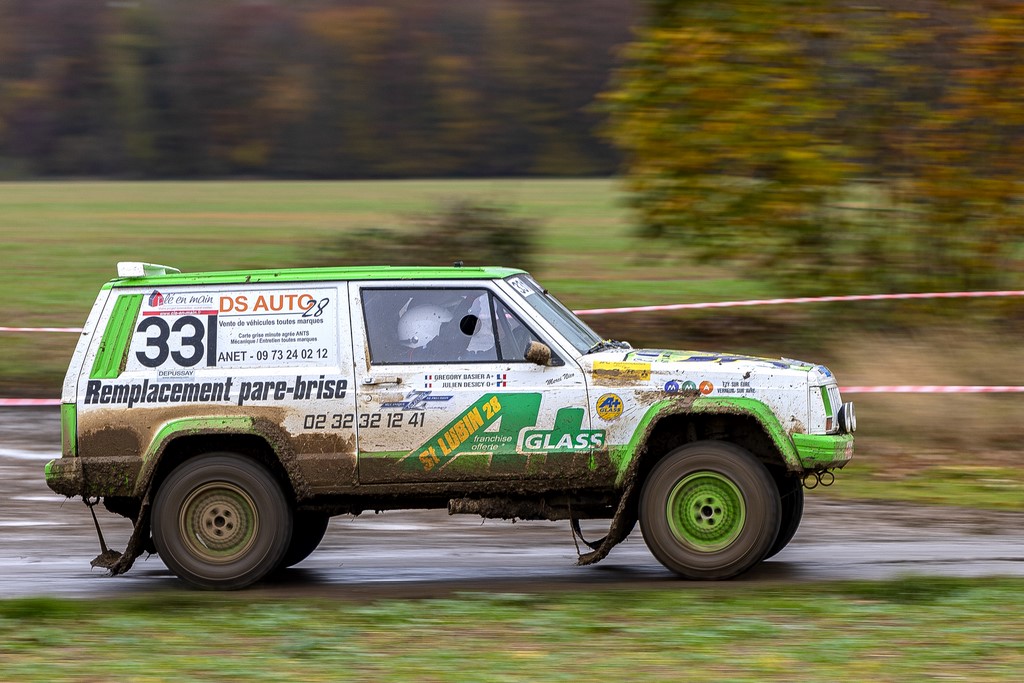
{"x":909,"y":629}
{"x":61,"y":240}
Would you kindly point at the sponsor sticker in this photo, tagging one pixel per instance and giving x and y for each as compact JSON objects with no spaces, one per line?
{"x":231,"y":389}
{"x":419,"y":400}
{"x":609,"y":407}
{"x":227,"y":329}
{"x":505,"y":423}
{"x":567,"y":435}
{"x":674,"y":386}
{"x":490,"y":425}
{"x":622,"y":370}
{"x":520,"y":286}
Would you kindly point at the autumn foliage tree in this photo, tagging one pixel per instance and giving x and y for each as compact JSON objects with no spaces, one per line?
{"x":828,"y":145}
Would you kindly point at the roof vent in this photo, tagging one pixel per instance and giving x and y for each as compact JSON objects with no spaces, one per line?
{"x":140,"y":269}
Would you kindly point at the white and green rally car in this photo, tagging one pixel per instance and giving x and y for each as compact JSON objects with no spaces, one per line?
{"x":229,"y":415}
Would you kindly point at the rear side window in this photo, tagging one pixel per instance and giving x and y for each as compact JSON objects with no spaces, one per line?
{"x":431,"y":325}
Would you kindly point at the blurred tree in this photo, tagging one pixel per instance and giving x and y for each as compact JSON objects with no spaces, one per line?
{"x":316,"y":88}
{"x":52,"y":91}
{"x":132,"y":52}
{"x":825,"y":145}
{"x":477,"y":233}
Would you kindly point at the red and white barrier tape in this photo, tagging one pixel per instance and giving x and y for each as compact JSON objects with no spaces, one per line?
{"x":896,"y":389}
{"x":714,"y":304}
{"x":40,"y":329}
{"x":893,"y":389}
{"x":909,"y":389}
{"x":802,"y":300}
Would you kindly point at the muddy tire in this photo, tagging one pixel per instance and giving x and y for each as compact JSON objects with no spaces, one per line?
{"x":308,"y":529}
{"x":791,"y":491}
{"x":221,"y":521}
{"x":709,"y":510}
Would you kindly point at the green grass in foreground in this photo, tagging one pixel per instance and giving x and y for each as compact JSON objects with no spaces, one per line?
{"x":898,"y":630}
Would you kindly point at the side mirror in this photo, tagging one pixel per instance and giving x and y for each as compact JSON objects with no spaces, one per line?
{"x":538,"y":353}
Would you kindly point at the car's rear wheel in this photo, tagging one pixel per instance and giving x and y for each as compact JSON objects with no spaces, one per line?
{"x":221,"y":521}
{"x":709,"y":510}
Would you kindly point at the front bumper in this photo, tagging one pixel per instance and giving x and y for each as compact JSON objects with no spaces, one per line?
{"x":823,"y":451}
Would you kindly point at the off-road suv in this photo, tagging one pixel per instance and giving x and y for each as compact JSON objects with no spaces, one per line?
{"x":229,"y":415}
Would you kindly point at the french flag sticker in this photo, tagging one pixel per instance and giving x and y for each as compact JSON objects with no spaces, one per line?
{"x":428,"y":380}
{"x":502,"y":381}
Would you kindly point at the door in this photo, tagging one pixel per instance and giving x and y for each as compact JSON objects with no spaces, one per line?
{"x":446,"y":393}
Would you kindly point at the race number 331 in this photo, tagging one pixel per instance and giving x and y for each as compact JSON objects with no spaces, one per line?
{"x":194,"y":339}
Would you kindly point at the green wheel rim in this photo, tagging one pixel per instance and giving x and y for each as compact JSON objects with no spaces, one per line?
{"x":706,"y":511}
{"x":218,"y":522}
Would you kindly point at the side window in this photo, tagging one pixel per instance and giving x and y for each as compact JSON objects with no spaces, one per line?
{"x":513,"y":336}
{"x":429,"y":325}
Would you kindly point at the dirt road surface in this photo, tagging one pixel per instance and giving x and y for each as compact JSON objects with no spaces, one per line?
{"x":46,"y":543}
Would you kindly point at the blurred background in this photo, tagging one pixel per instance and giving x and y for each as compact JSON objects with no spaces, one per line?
{"x":627,"y":152}
{"x":307,"y":89}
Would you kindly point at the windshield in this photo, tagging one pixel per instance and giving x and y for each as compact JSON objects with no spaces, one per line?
{"x":575,"y":331}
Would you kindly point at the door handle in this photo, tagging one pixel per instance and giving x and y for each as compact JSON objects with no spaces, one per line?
{"x":377,"y":381}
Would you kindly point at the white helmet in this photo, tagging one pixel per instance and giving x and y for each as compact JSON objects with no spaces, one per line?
{"x":420,"y":325}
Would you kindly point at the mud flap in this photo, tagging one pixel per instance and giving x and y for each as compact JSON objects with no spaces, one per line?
{"x":622,"y":523}
{"x":107,"y":557}
{"x":119,"y":563}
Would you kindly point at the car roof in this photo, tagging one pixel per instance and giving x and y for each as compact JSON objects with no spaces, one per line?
{"x":317,"y":274}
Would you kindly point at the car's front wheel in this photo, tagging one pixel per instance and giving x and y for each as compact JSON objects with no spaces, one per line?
{"x":221,"y":521}
{"x":791,"y":491}
{"x":709,"y":510}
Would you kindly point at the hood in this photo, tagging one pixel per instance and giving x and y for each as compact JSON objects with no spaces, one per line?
{"x":674,"y":371}
{"x":662,"y":356}
{"x":638,"y":377}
